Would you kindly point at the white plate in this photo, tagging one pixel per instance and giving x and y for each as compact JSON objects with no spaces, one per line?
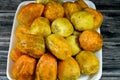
{"x":10,"y":63}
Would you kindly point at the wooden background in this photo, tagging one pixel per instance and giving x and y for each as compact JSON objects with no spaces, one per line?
{"x":110,"y":30}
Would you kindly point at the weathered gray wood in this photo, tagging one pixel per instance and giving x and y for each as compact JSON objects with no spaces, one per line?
{"x":3,"y":78}
{"x":10,"y":4}
{"x":110,"y":27}
{"x":110,"y":78}
{"x":111,"y":74}
{"x":111,"y":52}
{"x":107,"y":4}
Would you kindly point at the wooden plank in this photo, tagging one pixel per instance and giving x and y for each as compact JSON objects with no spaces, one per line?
{"x":10,"y":4}
{"x":3,"y":78}
{"x":6,"y":22}
{"x":111,"y":74}
{"x":110,"y":27}
{"x":3,"y":69}
{"x":107,"y":4}
{"x":3,"y":56}
{"x":4,"y":45}
{"x":6,"y":39}
{"x":111,"y":57}
{"x":110,"y":78}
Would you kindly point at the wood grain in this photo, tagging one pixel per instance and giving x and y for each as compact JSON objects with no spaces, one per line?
{"x":110,"y":30}
{"x":110,"y":27}
{"x":107,"y":4}
{"x":10,"y":4}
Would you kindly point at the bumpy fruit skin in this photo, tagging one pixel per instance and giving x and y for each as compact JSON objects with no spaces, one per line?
{"x":46,"y":68}
{"x":62,"y":26}
{"x":82,"y":4}
{"x":53,"y":10}
{"x":91,"y":40}
{"x":31,"y":45}
{"x":58,"y":46}
{"x":70,"y":8}
{"x":98,"y":18}
{"x":88,"y":62}
{"x":21,"y":31}
{"x":29,"y":12}
{"x":82,"y":20}
{"x":74,"y":43}
{"x":24,"y":68}
{"x":40,"y":26}
{"x":15,"y":54}
{"x":68,"y":69}
{"x":43,"y":1}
